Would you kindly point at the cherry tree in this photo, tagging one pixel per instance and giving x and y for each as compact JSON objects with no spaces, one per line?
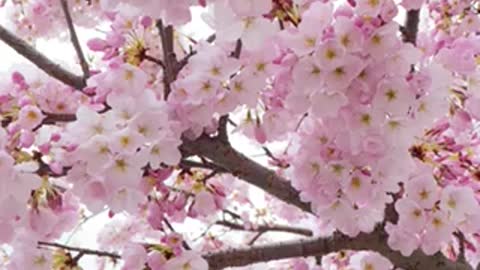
{"x":367,"y":129}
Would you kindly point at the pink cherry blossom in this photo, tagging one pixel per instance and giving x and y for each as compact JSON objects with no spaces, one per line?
{"x":188,"y":129}
{"x":30,"y":117}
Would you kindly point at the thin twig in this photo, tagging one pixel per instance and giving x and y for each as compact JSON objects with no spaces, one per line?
{"x":85,"y":220}
{"x":238,"y":49}
{"x":266,"y":228}
{"x":232,"y":214}
{"x":184,"y":61}
{"x":85,"y":251}
{"x":74,"y":39}
{"x":202,"y":165}
{"x":40,"y":60}
{"x":53,"y":119}
{"x":208,"y":176}
{"x":211,"y":38}
{"x":77,"y":257}
{"x":255,"y":238}
{"x":184,"y":243}
{"x":203,"y":233}
{"x":154,"y":60}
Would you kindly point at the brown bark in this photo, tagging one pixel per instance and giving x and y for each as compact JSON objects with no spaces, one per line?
{"x":40,"y":60}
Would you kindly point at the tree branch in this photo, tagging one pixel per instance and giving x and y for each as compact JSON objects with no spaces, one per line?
{"x":238,"y":49}
{"x":83,"y":251}
{"x":255,"y":238}
{"x":74,"y":39}
{"x":169,"y":57}
{"x":222,"y":129}
{"x":410,"y":30}
{"x":41,"y":61}
{"x":154,"y":60}
{"x":201,"y":165}
{"x":52,"y":118}
{"x":236,"y":163}
{"x":239,"y":165}
{"x":375,"y":241}
{"x":184,"y":243}
{"x":266,"y":228}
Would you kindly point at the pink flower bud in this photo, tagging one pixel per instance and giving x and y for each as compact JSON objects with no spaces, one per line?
{"x":344,"y":11}
{"x":116,"y":63}
{"x":39,"y":9}
{"x":70,"y":147}
{"x":97,"y":44}
{"x":289,"y":59}
{"x":99,"y":99}
{"x":44,"y":148}
{"x":55,"y":137}
{"x":24,"y":101}
{"x":17,"y":78}
{"x":115,"y":40}
{"x":180,"y":201}
{"x":26,"y":138}
{"x":4,"y":99}
{"x":89,"y":90}
{"x":13,"y":128}
{"x":109,"y":54}
{"x":146,"y":21}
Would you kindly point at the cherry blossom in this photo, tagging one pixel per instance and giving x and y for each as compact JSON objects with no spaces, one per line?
{"x":331,"y":123}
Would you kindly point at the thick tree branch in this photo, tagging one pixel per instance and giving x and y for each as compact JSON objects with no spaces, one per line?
{"x":236,"y":163}
{"x":375,"y":241}
{"x":239,"y":165}
{"x":169,"y":58}
{"x":222,"y":129}
{"x":410,"y":30}
{"x":40,"y":60}
{"x":74,"y":39}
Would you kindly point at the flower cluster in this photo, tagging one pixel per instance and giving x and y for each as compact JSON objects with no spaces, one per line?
{"x":377,"y":129}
